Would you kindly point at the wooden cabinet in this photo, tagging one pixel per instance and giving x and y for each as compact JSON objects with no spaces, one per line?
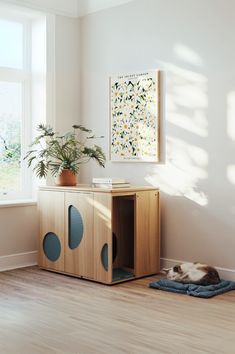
{"x":51,"y":240}
{"x":147,"y":252}
{"x":104,"y":235}
{"x":79,"y":240}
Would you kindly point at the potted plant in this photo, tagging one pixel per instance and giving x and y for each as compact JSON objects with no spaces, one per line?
{"x":62,"y":155}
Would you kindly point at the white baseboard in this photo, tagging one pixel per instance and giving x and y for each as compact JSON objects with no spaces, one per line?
{"x":27,"y":259}
{"x":225,"y":273}
{"x":19,"y":260}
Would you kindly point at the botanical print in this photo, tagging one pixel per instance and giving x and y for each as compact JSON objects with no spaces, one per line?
{"x":135,"y":117}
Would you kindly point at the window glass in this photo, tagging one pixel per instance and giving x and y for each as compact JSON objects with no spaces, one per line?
{"x":10,"y":136}
{"x":11,"y":44}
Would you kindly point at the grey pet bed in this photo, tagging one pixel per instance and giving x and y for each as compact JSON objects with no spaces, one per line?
{"x":204,"y":291}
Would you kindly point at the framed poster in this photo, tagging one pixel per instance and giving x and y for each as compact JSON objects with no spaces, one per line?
{"x":135,"y":117}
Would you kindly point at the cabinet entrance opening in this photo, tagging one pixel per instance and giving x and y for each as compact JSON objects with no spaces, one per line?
{"x":123,"y":237}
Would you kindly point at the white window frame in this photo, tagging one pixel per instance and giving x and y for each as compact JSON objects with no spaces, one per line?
{"x":38,"y":79}
{"x":23,"y":76}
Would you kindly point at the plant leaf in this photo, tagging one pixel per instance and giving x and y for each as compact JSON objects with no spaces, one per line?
{"x":82,"y":128}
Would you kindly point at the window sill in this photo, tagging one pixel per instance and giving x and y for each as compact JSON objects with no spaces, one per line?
{"x":17,"y":203}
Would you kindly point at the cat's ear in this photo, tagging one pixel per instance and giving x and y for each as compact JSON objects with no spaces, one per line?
{"x":166,"y":270}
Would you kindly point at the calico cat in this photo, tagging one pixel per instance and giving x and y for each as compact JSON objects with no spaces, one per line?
{"x":193,"y":273}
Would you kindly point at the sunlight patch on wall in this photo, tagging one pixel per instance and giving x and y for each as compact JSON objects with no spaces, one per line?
{"x":187,"y":99}
{"x":184,"y":171}
{"x":187,"y":55}
{"x":231,"y":115}
{"x":231,"y":173}
{"x":189,"y":95}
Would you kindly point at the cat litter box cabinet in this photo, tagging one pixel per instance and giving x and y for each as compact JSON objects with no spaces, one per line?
{"x":105,"y":235}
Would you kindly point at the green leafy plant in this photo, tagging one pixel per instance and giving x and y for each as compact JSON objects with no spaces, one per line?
{"x":10,"y":152}
{"x":56,"y":153}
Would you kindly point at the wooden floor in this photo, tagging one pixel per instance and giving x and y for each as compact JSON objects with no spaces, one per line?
{"x":43,"y":312}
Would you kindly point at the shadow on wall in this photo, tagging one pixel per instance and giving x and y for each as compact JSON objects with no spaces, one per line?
{"x":199,"y":174}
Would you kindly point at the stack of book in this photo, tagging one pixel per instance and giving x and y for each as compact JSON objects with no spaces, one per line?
{"x":110,"y":183}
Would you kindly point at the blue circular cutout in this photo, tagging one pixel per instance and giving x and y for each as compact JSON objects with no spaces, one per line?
{"x":76,"y":228}
{"x":52,"y":246}
{"x":104,"y":256}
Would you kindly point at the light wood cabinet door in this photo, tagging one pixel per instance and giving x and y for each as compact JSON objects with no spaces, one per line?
{"x":51,"y":247}
{"x":79,"y":238}
{"x":147,"y":238}
{"x":103,"y":258}
{"x":106,"y":236}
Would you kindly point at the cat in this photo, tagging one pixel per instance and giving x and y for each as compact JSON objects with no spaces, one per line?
{"x":193,"y":273}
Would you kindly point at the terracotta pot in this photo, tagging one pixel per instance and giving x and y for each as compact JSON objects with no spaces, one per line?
{"x":66,"y":178}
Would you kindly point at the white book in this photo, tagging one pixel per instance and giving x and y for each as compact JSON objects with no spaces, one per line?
{"x":110,"y":185}
{"x":109,"y":180}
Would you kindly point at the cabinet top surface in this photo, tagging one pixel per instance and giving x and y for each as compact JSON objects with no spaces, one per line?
{"x":89,"y":188}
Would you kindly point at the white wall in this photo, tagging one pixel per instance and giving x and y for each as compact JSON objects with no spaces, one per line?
{"x":193,"y":42}
{"x":19,"y":228}
{"x":196,"y":50}
{"x":67,"y":74}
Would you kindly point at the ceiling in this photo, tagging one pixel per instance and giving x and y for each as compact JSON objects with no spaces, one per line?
{"x":88,"y":6}
{"x":71,"y":8}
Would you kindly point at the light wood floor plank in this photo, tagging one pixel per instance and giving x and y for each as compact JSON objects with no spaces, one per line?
{"x":47,"y":313}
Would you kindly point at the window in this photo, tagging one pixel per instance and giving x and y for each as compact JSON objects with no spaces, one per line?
{"x":11,"y":44}
{"x":22,"y":96}
{"x":15,"y":82}
{"x":10,"y":135}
